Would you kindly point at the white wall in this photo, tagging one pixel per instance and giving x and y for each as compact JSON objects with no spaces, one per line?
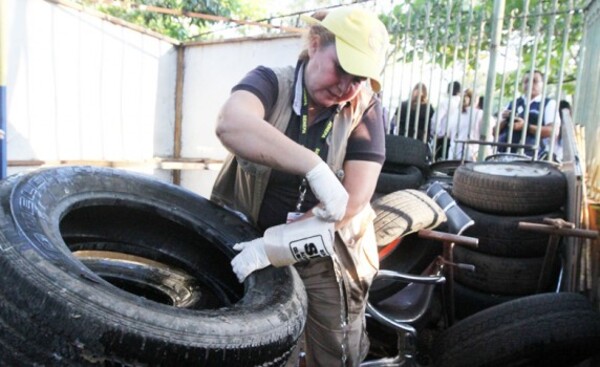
{"x":211,"y":70}
{"x":81,"y":88}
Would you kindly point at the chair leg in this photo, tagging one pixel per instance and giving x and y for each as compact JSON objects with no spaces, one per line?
{"x":407,"y":353}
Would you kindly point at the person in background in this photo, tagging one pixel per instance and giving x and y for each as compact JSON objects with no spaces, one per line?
{"x":447,"y":114}
{"x":416,"y":125}
{"x":542,"y":115}
{"x":467,"y":129}
{"x":564,"y":107}
{"x":307,"y":145}
{"x":480,"y":102}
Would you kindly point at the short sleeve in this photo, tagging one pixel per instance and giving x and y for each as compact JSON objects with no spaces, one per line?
{"x":262,"y":82}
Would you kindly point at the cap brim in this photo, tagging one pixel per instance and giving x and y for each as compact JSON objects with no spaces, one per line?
{"x":355,"y":62}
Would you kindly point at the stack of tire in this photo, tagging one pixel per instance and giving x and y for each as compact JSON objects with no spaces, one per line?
{"x":508,"y":261}
{"x":406,"y":164}
{"x":443,"y":171}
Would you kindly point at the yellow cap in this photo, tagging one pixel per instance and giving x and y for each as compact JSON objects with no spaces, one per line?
{"x":361,"y":41}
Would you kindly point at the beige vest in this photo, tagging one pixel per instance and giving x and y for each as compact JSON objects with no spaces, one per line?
{"x":241,"y":184}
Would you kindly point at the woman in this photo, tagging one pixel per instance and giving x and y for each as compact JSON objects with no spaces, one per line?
{"x":416,"y":114}
{"x":467,"y":128}
{"x":307,"y":147}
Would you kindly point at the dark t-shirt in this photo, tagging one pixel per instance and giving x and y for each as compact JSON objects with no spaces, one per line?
{"x":419,"y":111}
{"x":366,"y":143}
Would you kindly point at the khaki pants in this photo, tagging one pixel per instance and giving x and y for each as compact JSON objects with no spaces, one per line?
{"x":325,"y":340}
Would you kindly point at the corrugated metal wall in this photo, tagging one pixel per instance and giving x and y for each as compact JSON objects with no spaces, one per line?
{"x":587,"y":106}
{"x":587,"y":113}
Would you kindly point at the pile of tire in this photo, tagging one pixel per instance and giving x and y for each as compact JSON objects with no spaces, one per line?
{"x":406,"y":164}
{"x":508,"y":261}
{"x":103,"y":267}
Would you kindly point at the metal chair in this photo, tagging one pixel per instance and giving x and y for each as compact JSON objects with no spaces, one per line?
{"x":402,"y":311}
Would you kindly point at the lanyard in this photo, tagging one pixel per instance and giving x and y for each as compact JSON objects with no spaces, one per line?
{"x":303,"y":140}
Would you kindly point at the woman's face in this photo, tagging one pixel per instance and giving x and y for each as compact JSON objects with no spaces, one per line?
{"x":417,"y":92}
{"x":326,"y":82}
{"x":466,"y":100}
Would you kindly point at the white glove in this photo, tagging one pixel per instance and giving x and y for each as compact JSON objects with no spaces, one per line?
{"x":252,"y":257}
{"x":284,"y":245}
{"x":330,"y":192}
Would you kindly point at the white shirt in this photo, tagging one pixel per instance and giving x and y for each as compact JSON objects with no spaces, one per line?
{"x":467,"y":128}
{"x":446,"y":115}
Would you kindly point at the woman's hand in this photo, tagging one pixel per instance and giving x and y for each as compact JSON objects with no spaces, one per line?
{"x":329,"y":191}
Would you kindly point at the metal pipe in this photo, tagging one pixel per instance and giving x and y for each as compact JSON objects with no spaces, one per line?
{"x":510,"y":124}
{"x":491,"y":75}
{"x":423,"y":51}
{"x":496,"y":132}
{"x":443,"y":68}
{"x":431,"y":71}
{"x":540,"y":122}
{"x":536,"y":31}
{"x":561,"y":74}
{"x":390,"y":127}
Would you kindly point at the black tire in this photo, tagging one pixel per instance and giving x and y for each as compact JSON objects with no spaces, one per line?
{"x":502,"y":275}
{"x":469,"y":301}
{"x":500,"y":235}
{"x":555,"y":329}
{"x":408,"y":151}
{"x":407,"y":178}
{"x":510,"y":188}
{"x":56,"y":311}
{"x":446,"y":167}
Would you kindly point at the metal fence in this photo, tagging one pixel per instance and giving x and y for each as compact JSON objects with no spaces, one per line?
{"x":489,"y":49}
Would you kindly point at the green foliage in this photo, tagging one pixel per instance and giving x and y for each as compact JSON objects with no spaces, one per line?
{"x":447,"y":33}
{"x":180,"y":27}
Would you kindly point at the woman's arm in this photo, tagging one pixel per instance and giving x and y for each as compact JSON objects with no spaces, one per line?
{"x":360,"y":179}
{"x":242,"y":129}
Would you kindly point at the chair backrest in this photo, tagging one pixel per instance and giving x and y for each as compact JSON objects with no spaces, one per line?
{"x":458,"y":221}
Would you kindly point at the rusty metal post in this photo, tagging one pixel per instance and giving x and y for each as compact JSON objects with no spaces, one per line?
{"x":556,"y":228}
